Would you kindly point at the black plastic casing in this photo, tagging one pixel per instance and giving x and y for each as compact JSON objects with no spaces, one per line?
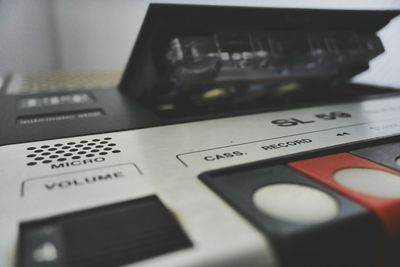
{"x":354,"y":238}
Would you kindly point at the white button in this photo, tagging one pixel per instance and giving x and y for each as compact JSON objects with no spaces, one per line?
{"x":369,"y":181}
{"x":46,"y":252}
{"x":296,"y":203}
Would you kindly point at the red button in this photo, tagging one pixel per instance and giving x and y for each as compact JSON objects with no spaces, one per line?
{"x":326,"y":171}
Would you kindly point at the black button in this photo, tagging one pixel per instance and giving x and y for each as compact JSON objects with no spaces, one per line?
{"x":107,"y":236}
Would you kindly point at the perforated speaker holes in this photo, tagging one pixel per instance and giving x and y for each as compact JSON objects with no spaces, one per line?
{"x":83,"y":149}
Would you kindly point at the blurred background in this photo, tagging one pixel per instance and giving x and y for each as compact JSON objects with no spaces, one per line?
{"x":87,"y":43}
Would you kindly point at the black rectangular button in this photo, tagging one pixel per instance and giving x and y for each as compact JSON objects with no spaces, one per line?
{"x":106,"y":236}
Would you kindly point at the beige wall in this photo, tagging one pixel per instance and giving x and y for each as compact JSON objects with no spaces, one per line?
{"x":79,"y":35}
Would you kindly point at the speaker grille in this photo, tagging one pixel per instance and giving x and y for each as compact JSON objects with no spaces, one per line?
{"x":59,"y":152}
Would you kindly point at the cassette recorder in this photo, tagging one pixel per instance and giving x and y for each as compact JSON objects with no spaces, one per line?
{"x":237,"y":137}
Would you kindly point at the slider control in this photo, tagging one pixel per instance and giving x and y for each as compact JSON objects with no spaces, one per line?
{"x":107,"y":236}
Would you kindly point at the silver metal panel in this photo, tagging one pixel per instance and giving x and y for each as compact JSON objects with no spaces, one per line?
{"x":167,"y":161}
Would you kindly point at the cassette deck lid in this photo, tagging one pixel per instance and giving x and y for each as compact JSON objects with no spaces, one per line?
{"x":199,"y":60}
